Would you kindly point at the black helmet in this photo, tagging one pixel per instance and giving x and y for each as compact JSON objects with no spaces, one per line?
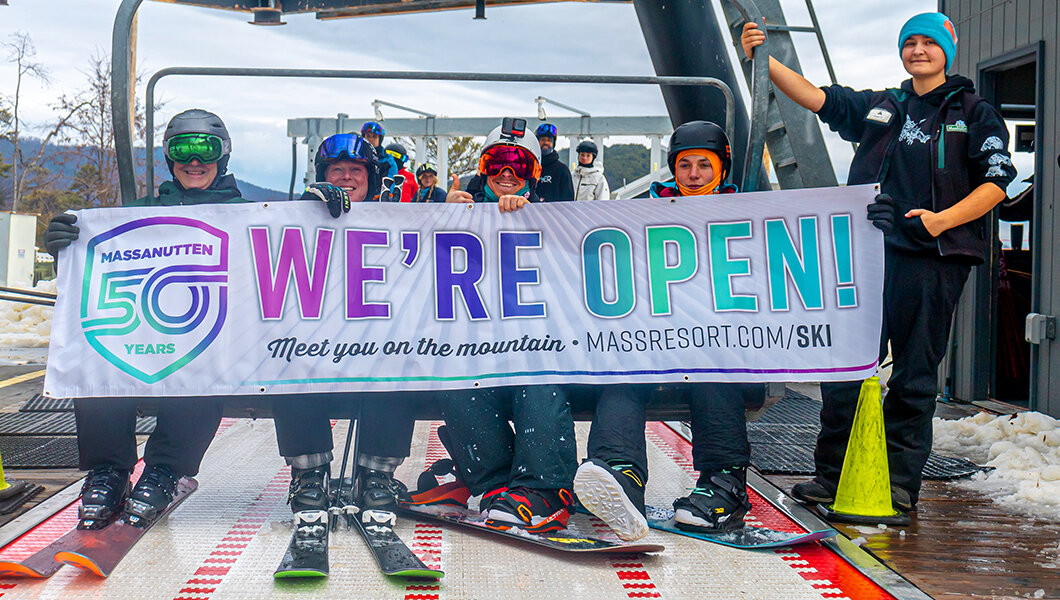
{"x":587,"y":146}
{"x":197,"y":120}
{"x":700,"y":134}
{"x":426,"y":168}
{"x":349,"y":146}
{"x":399,"y":153}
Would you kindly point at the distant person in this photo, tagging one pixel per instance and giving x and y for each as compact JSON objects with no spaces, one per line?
{"x":197,"y":148}
{"x":373,"y":133}
{"x":589,"y":180}
{"x":939,"y":153}
{"x":427,"y":177}
{"x":401,"y":157}
{"x":555,"y":184}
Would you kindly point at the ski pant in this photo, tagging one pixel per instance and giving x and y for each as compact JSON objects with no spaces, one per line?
{"x":919,"y":297}
{"x":540,"y":453}
{"x":719,"y":424}
{"x":304,"y":429}
{"x":106,"y":433}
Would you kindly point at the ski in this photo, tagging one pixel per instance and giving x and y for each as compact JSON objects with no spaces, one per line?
{"x":565,"y":540}
{"x":102,"y":549}
{"x":391,"y":554}
{"x":747,"y":537}
{"x":307,"y":554}
{"x":42,"y":563}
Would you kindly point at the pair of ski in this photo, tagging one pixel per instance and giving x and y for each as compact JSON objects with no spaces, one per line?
{"x":97,"y":551}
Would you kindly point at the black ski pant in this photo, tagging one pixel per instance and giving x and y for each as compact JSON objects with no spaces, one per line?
{"x":719,"y":424}
{"x":919,"y":297}
{"x":106,"y":433}
{"x":540,"y":453}
{"x":303,"y":427}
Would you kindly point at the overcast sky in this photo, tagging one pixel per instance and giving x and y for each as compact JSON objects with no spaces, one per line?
{"x":565,"y":37}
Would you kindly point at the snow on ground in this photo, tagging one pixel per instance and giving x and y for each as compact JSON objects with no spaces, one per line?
{"x":1024,"y":450}
{"x":25,"y":329}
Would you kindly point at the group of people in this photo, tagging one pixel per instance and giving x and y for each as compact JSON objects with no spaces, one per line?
{"x":938,"y":151}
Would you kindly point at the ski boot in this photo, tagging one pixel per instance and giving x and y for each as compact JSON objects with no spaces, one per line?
{"x":309,"y":489}
{"x":429,"y":492}
{"x":718,"y":503}
{"x":102,"y":497}
{"x":614,"y":492}
{"x":378,"y":490}
{"x":535,"y":511}
{"x":152,"y":494}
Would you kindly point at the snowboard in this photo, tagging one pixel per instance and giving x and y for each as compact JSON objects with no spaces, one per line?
{"x":391,"y":554}
{"x":564,"y":540}
{"x":102,"y":549}
{"x":747,"y":537}
{"x":307,"y":553}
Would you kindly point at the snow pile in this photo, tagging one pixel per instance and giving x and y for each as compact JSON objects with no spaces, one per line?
{"x":26,"y":325}
{"x":1024,"y":450}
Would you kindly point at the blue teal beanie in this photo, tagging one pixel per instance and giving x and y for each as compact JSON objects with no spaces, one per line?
{"x":936,"y":26}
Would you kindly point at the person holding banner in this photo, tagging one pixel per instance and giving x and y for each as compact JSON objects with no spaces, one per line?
{"x":347,"y":168}
{"x":939,"y":153}
{"x":197,"y":148}
{"x":525,"y":475}
{"x":610,"y":482}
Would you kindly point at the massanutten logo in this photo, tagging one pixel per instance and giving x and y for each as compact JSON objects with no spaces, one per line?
{"x":155,"y":294}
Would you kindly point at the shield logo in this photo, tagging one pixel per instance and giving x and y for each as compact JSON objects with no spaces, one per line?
{"x":155,"y":294}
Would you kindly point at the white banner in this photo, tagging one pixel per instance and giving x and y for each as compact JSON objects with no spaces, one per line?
{"x":281,"y":298}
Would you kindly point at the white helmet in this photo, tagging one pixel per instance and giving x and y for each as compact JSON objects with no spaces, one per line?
{"x":496,"y":138}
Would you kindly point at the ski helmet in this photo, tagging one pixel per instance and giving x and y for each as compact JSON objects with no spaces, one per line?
{"x":546,"y":130}
{"x":349,"y":146}
{"x":373,"y":127}
{"x":398,"y":152}
{"x":496,"y":138}
{"x":587,"y":146}
{"x":700,"y":134}
{"x":426,"y":168}
{"x":196,"y":120}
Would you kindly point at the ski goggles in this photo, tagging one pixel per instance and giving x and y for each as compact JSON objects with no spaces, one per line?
{"x":546,"y":130}
{"x":372,"y":127}
{"x":521,"y":161}
{"x":346,"y":145}
{"x":397,"y":155}
{"x":186,"y":147}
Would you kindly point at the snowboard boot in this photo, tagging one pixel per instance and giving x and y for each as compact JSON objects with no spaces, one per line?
{"x":487,"y":499}
{"x":718,"y":503}
{"x":813,"y":491}
{"x":429,"y":492}
{"x":152,"y":494}
{"x":378,"y":490}
{"x":535,"y":511}
{"x":102,"y":497}
{"x":614,"y":492}
{"x":309,"y":489}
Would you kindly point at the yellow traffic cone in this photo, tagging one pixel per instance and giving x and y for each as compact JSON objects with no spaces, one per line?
{"x":864,"y":494}
{"x":9,"y":489}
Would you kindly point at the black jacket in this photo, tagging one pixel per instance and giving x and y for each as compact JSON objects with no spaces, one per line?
{"x":436,"y":194}
{"x":555,"y":184}
{"x":968,"y":147}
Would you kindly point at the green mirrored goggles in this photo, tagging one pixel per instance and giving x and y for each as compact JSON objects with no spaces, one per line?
{"x":185,"y":147}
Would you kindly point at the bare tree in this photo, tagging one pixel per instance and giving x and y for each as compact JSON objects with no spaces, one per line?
{"x":463,"y":153}
{"x":21,"y":52}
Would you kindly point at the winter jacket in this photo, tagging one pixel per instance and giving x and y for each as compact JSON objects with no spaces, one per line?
{"x":590,"y":183}
{"x":555,"y":183}
{"x":387,"y":165}
{"x":433,"y":194}
{"x":409,"y":188}
{"x":668,"y":189}
{"x":967,"y":145}
{"x":223,"y":191}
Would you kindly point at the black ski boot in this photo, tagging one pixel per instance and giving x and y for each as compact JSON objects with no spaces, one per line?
{"x":718,"y":503}
{"x":309,"y":489}
{"x":102,"y":497}
{"x":378,"y":490}
{"x":152,"y":494}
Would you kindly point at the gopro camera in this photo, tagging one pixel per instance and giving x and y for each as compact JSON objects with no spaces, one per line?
{"x":513,"y":128}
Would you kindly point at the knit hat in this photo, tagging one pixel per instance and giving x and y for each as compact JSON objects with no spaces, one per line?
{"x":936,"y":26}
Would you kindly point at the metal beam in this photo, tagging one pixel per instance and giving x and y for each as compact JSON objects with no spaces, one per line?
{"x":120,"y":63}
{"x":479,"y":126}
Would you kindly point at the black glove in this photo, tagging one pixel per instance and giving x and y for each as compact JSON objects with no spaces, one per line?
{"x":336,"y":198}
{"x":61,"y":232}
{"x":882,"y":213}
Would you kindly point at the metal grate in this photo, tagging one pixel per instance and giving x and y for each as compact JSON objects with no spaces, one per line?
{"x":33,"y":452}
{"x":782,"y":441}
{"x":42,"y":403}
{"x":54,"y":423}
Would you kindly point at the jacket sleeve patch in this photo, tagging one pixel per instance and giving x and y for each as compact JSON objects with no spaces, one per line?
{"x":880,"y":115}
{"x":992,"y":143}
